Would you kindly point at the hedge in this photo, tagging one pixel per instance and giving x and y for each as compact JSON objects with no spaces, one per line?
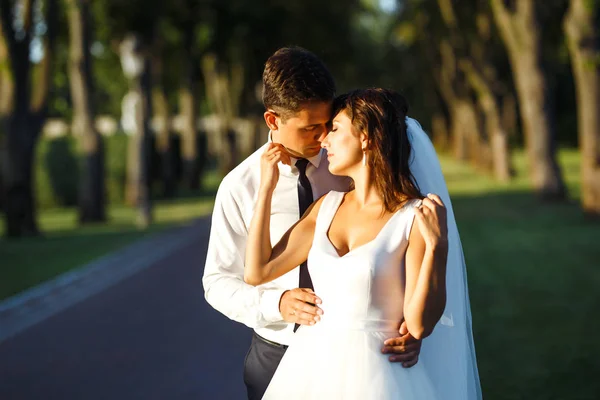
{"x":57,"y":170}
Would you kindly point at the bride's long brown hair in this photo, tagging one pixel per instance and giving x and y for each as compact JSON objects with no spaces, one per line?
{"x":381,"y":115}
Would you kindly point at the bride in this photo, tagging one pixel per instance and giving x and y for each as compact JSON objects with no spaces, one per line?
{"x":382,"y":248}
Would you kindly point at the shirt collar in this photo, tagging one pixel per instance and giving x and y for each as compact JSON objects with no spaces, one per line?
{"x":314,"y":160}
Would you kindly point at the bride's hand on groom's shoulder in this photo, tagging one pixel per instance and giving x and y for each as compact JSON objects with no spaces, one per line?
{"x":269,"y":170}
{"x":299,"y":306}
{"x":431,"y":218}
{"x":404,"y":349}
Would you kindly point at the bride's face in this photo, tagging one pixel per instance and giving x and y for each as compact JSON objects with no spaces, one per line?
{"x":344,"y":146}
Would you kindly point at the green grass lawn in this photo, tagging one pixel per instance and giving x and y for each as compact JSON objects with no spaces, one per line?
{"x":65,"y":245}
{"x":534,"y":276}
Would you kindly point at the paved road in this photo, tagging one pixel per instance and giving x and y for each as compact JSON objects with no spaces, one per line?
{"x":152,"y":336}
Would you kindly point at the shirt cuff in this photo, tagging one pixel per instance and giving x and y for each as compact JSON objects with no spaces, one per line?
{"x":269,"y":304}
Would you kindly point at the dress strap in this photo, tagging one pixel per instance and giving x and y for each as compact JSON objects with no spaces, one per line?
{"x":411,"y":215}
{"x":404,"y":223}
{"x":329,"y":207}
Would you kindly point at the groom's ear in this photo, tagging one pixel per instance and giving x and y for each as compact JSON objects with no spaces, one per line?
{"x":271,"y":120}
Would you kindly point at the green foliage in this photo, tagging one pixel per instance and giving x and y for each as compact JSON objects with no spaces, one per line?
{"x":116,"y":167}
{"x":57,"y":171}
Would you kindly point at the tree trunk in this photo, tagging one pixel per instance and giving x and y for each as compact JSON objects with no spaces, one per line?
{"x":24,"y":113}
{"x":439,"y":130}
{"x":140,"y":150}
{"x":21,"y":138}
{"x":463,"y":117}
{"x":139,"y":100}
{"x":487,"y":148}
{"x":6,"y":91}
{"x":521,"y":34}
{"x":224,"y":89}
{"x":464,"y":128}
{"x":584,"y":46}
{"x":188,"y":106}
{"x":509,"y":114}
{"x":164,"y":142}
{"x":497,"y":136}
{"x":92,"y":193}
{"x":191,"y":138}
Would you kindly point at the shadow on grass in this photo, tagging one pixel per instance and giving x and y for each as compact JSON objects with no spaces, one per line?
{"x":534,"y":273}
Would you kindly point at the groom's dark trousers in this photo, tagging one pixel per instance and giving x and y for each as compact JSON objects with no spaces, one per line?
{"x":260,"y":365}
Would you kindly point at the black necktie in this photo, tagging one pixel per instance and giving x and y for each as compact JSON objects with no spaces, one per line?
{"x":305,"y":199}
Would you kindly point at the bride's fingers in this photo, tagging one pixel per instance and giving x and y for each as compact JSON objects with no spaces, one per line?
{"x":270,"y":150}
{"x":428,"y":203}
{"x":402,"y":348}
{"x":276,"y":147}
{"x":435,"y":198}
{"x":275,"y":158}
{"x":278,"y":156}
{"x":404,"y":340}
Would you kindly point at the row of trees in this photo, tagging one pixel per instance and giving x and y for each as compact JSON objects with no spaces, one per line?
{"x":470,"y":70}
{"x":166,"y":58}
{"x":485,"y":54}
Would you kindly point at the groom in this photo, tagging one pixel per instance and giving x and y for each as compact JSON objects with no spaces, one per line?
{"x":298,"y":92}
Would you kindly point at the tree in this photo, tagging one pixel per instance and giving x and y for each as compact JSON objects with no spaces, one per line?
{"x":443,"y":54}
{"x":162,"y":118}
{"x":478,"y":66}
{"x":583,"y":37}
{"x":92,"y":186}
{"x":520,"y":30}
{"x":135,"y":56}
{"x":133,"y":25}
{"x":191,"y":17}
{"x":24,"y":115}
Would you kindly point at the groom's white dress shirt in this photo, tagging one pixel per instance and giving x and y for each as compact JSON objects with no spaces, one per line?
{"x":223,"y":281}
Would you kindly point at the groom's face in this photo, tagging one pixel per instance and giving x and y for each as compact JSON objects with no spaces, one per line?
{"x":302,"y":132}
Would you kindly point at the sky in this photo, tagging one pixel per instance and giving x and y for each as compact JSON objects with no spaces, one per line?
{"x":388,"y":5}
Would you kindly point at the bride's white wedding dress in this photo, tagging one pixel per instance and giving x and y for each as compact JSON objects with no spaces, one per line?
{"x":362,"y":291}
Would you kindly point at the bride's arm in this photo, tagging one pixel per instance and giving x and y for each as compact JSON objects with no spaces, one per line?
{"x":426,"y":257}
{"x":263,"y":263}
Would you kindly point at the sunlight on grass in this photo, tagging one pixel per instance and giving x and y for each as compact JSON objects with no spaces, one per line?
{"x":463,"y":180}
{"x":65,"y":245}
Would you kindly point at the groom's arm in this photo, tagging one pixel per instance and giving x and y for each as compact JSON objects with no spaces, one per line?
{"x":223,"y":280}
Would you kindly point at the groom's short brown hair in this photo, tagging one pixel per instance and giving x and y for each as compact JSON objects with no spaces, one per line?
{"x":293,"y":76}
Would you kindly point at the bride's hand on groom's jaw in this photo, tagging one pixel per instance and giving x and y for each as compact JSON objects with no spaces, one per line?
{"x":269,"y":169}
{"x":299,"y":306}
{"x":404,"y":349}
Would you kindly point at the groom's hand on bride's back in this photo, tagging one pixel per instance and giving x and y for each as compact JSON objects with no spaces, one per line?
{"x":300,"y":306}
{"x":404,"y":348}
